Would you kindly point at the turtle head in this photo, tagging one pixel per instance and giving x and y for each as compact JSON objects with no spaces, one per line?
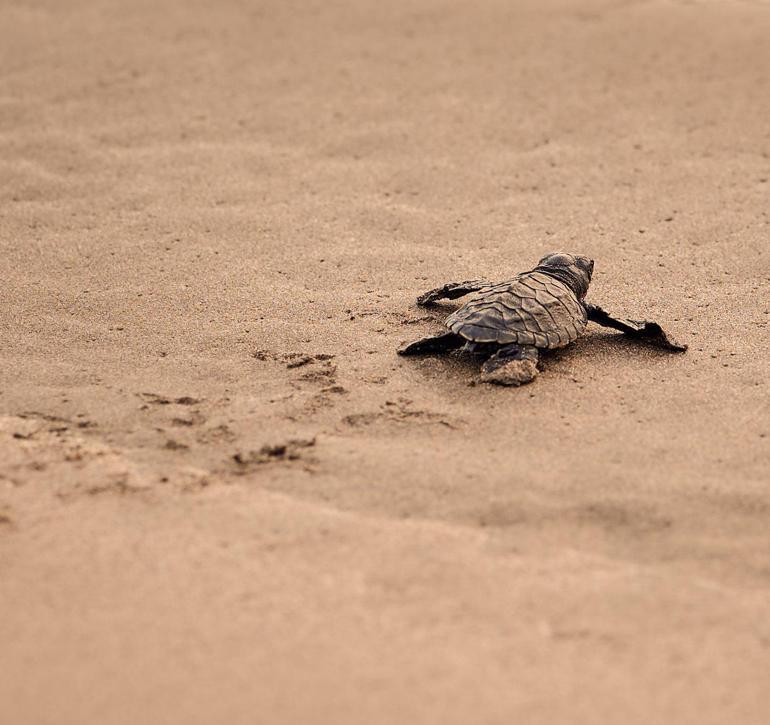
{"x":575,"y":271}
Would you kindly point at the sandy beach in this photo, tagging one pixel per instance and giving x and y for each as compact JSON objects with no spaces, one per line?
{"x":225,"y":499}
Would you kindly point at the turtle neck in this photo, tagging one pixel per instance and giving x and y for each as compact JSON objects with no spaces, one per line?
{"x":576,"y":282}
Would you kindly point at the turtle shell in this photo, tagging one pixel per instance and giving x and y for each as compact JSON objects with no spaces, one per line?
{"x":531,"y":309}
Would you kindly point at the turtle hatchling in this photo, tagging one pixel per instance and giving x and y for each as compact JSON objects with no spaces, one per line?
{"x":508,"y":322}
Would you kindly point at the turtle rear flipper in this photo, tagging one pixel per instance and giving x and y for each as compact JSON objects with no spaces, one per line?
{"x":644,"y":330}
{"x":511,"y":365}
{"x":436,"y":345}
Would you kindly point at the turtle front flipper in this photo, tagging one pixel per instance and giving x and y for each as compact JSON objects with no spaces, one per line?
{"x":645,"y":330}
{"x":451,"y":291}
{"x":436,"y":345}
{"x":511,"y":365}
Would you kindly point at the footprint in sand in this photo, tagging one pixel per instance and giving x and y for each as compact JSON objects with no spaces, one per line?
{"x":293,"y":450}
{"x":155,"y":399}
{"x":317,"y":369}
{"x":181,"y":420}
{"x":398,"y":412}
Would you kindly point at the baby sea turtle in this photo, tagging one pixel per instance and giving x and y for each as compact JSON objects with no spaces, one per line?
{"x":508,"y":322}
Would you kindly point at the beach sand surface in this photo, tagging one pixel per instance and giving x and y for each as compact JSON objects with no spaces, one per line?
{"x":224,"y":498}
